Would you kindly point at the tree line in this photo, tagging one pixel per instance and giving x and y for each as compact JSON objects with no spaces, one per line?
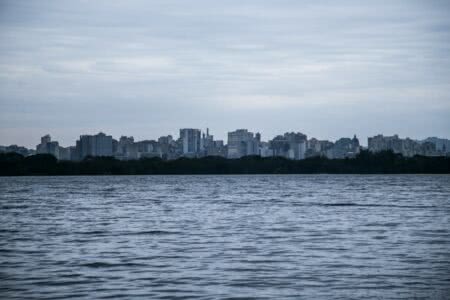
{"x":385,"y":162}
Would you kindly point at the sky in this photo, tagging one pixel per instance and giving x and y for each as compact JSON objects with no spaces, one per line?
{"x":328,"y":69}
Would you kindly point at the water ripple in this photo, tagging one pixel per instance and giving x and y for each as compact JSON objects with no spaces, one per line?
{"x":225,"y":237}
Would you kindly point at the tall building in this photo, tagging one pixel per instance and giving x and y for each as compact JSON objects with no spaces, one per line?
{"x":191,"y":144}
{"x":125,"y":148}
{"x":315,"y":147}
{"x":64,"y":153}
{"x":48,"y":147}
{"x":46,"y":139}
{"x":103,"y":145}
{"x":211,"y":147}
{"x":207,"y":143}
{"x":241,"y":143}
{"x":168,"y":147}
{"x":148,"y":149}
{"x":344,"y":147}
{"x":290,"y":145}
{"x":94,"y":145}
{"x":264,"y":149}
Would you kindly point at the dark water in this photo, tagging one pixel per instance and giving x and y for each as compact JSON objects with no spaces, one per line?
{"x":225,"y":237}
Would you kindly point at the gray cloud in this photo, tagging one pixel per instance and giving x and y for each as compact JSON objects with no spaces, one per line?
{"x":147,"y":68}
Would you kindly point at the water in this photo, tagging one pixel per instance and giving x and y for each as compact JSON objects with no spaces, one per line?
{"x":225,"y":237}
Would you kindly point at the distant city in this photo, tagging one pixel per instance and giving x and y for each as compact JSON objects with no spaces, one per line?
{"x":192,"y":143}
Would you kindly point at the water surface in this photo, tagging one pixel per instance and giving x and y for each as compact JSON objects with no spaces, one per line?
{"x":225,"y":237}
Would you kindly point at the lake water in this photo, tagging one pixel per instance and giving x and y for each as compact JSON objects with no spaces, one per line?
{"x":225,"y":237}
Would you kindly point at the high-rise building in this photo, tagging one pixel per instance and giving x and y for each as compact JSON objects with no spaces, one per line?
{"x":103,"y":145}
{"x":46,"y":139}
{"x":125,"y":148}
{"x":317,"y":147}
{"x":241,"y":143}
{"x":64,"y":153}
{"x":290,"y":145}
{"x":48,"y":147}
{"x":148,"y":149}
{"x":94,"y":145}
{"x":168,"y":147}
{"x":207,"y":144}
{"x":344,"y":147}
{"x":264,"y":149}
{"x":211,"y":147}
{"x":191,"y":144}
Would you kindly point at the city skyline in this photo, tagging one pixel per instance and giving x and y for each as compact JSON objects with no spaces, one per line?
{"x":218,"y":136}
{"x":195,"y":143}
{"x":147,"y":67}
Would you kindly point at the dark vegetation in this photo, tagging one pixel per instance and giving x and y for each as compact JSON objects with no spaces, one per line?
{"x":365,"y":163}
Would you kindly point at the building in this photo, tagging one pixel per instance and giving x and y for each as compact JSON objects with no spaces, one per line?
{"x":48,"y":147}
{"x":103,"y":144}
{"x":211,"y":147}
{"x":65,"y":153}
{"x":207,"y":143}
{"x":17,"y":149}
{"x":344,"y":147}
{"x":291,"y":145}
{"x":94,"y":145}
{"x":381,"y":143}
{"x":442,"y":146}
{"x":315,"y":147}
{"x":218,"y":148}
{"x":190,"y":142}
{"x":168,"y":148}
{"x":241,"y":143}
{"x":264,"y":149}
{"x":125,"y":148}
{"x":147,"y":148}
{"x":406,"y":147}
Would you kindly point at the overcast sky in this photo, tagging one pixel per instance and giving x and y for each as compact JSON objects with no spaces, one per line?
{"x":147,"y":68}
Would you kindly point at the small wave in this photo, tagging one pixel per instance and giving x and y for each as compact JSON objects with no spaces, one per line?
{"x":110,"y":265}
{"x":376,"y":205}
{"x":94,"y":232}
{"x":14,"y":207}
{"x":152,"y":232}
{"x":340,"y":204}
{"x":388,"y":224}
{"x":64,"y":283}
{"x":26,"y":190}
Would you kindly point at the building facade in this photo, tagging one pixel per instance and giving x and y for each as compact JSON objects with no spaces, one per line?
{"x":291,"y":145}
{"x":406,"y":147}
{"x":94,"y":145}
{"x":190,"y":142}
{"x":47,"y":146}
{"x":241,"y":143}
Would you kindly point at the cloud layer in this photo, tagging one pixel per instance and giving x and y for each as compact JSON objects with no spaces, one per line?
{"x":147,"y":68}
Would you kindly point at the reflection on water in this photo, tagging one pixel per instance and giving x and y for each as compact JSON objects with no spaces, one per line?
{"x":206,"y":237}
